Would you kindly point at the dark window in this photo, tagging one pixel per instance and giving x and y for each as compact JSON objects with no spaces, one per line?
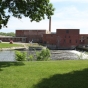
{"x":76,"y":41}
{"x":69,"y":41}
{"x":82,"y":37}
{"x":67,"y":31}
{"x":64,"y":40}
{"x":45,"y":42}
{"x":87,"y":37}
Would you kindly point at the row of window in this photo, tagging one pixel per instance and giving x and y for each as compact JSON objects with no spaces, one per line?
{"x":10,"y":39}
{"x":70,"y":41}
{"x":83,"y":37}
{"x":68,"y":37}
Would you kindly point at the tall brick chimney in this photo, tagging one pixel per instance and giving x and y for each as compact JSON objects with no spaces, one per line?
{"x":50,"y":24}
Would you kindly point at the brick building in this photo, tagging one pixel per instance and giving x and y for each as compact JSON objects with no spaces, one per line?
{"x":15,"y":39}
{"x":83,"y":39}
{"x":62,"y":39}
{"x":32,"y":35}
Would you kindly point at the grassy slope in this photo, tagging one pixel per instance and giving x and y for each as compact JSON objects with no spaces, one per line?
{"x":7,"y":45}
{"x":49,"y":74}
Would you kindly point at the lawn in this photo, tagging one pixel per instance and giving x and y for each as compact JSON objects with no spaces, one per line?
{"x":8,"y":45}
{"x":44,"y":74}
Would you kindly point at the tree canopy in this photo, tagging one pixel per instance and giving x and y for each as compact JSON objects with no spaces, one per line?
{"x":7,"y":34}
{"x":36,"y":10}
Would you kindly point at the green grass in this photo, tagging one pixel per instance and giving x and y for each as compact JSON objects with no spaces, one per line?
{"x":8,"y":45}
{"x":44,"y":74}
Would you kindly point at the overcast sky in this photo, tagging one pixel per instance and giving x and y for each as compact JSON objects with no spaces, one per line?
{"x":71,"y":14}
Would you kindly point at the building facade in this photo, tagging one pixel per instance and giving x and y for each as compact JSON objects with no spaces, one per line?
{"x":15,"y":39}
{"x":83,"y":39}
{"x":61,"y":39}
{"x":64,"y":38}
{"x":32,"y":35}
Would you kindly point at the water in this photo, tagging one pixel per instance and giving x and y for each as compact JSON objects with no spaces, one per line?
{"x":63,"y":55}
{"x":55,"y":55}
{"x":7,"y":56}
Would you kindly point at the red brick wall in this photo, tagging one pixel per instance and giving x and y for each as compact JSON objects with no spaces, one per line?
{"x":49,"y":39}
{"x":83,"y":38}
{"x":15,"y":39}
{"x":63,"y":38}
{"x":67,"y":37}
{"x":35,"y":35}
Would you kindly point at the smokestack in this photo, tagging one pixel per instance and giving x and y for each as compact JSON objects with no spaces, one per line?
{"x":50,"y":24}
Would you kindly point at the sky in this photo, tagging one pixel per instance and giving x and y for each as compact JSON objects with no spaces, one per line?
{"x":68,"y":14}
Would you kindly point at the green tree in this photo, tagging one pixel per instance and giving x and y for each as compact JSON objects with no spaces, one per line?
{"x":20,"y":56}
{"x":10,"y":34}
{"x":7,"y":34}
{"x":43,"y":55}
{"x":34,"y":9}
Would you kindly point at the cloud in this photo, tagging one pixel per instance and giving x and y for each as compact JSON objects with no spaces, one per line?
{"x":71,"y":12}
{"x":70,"y":24}
{"x":70,"y":17}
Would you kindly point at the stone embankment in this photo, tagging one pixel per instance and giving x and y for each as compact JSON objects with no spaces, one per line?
{"x":12,"y":48}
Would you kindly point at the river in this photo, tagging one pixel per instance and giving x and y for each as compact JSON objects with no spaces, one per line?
{"x":55,"y":55}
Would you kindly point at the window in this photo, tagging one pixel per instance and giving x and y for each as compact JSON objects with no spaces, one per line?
{"x":82,"y":37}
{"x":69,"y":41}
{"x":76,"y":41}
{"x":64,"y":40}
{"x":67,"y":31}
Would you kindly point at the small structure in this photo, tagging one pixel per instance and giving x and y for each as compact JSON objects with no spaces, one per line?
{"x":11,"y":42}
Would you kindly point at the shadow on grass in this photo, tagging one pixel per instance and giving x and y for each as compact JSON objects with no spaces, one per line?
{"x":75,"y":79}
{"x":8,"y":64}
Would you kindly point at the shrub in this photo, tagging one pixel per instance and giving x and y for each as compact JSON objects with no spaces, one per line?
{"x":31,"y":57}
{"x":43,"y":55}
{"x":20,"y":56}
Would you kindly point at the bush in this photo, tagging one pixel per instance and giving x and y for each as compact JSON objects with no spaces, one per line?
{"x":31,"y":57}
{"x":43,"y":55}
{"x":20,"y":56}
